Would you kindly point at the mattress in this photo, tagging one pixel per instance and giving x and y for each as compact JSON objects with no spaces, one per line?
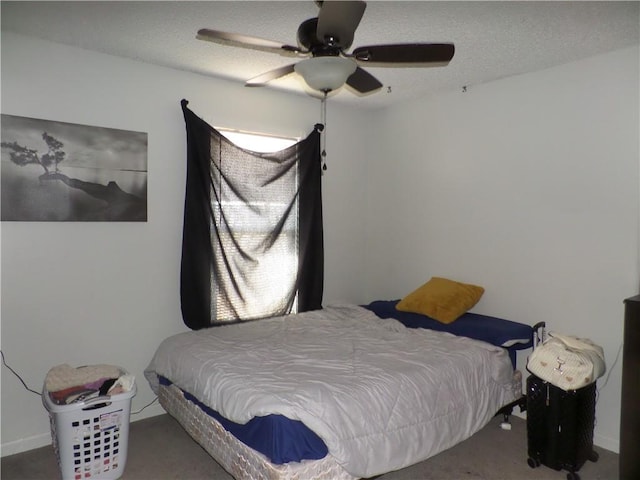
{"x":280,"y":439}
{"x":379,"y":395}
{"x":241,"y":461}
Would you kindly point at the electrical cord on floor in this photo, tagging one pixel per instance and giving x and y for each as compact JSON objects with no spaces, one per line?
{"x":4,"y":362}
{"x":19,"y":377}
{"x":147,"y":405}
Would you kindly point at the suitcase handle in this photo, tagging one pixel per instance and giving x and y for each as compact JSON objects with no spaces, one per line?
{"x":538,"y":333}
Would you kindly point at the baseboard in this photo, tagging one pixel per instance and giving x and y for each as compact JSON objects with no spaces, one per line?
{"x":25,"y":444}
{"x":608,"y":443}
{"x":44,"y":439}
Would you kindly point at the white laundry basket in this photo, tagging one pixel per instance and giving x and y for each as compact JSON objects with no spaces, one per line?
{"x":90,"y":438}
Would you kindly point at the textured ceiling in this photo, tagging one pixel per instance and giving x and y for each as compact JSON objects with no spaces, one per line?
{"x":493,"y":39}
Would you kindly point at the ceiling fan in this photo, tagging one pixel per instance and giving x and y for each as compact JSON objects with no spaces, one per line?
{"x":326,"y":41}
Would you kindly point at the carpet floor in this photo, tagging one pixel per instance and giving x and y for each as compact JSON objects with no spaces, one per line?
{"x":159,"y":449}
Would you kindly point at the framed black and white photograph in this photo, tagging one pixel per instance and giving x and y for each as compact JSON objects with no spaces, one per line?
{"x":57,"y":171}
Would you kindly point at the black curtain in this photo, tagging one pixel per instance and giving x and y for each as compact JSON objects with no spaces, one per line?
{"x":231,"y":195}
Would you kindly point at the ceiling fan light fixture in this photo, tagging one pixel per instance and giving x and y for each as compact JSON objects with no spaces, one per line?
{"x":326,"y":39}
{"x":325,"y":73}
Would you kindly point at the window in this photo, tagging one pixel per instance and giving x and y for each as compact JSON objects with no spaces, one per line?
{"x":252,"y":237}
{"x":257,"y":142}
{"x":266,"y":281}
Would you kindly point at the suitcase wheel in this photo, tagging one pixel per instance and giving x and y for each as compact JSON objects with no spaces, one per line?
{"x":593,"y":456}
{"x":533,"y":462}
{"x":573,"y":476}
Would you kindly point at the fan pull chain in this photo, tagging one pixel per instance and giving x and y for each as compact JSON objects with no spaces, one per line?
{"x":323,"y":138}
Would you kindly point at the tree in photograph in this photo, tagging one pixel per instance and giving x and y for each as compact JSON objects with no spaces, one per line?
{"x":21,"y":155}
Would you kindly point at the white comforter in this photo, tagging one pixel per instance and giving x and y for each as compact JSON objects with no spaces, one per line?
{"x":380,"y":395}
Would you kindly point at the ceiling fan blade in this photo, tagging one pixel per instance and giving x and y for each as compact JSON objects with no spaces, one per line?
{"x":246,"y":41}
{"x":363,"y":82}
{"x":405,"y":54}
{"x":338,"y":20}
{"x":262,"y":79}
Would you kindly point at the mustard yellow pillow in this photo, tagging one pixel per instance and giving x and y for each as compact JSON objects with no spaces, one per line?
{"x":441,"y":299}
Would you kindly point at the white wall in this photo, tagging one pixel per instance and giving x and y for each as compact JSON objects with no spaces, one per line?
{"x":85,"y":293}
{"x":528,"y":186}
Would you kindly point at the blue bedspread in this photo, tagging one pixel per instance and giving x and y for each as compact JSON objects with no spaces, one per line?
{"x":279,"y":438}
{"x":497,"y":331}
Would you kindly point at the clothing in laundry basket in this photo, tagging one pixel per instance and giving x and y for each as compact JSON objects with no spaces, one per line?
{"x":67,"y":384}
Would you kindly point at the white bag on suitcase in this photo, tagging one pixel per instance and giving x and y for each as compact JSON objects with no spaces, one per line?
{"x":567,"y":362}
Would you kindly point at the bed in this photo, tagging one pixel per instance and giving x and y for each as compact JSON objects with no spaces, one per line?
{"x":340,"y":393}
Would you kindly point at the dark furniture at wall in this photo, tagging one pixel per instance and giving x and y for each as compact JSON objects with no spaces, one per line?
{"x":630,"y":414}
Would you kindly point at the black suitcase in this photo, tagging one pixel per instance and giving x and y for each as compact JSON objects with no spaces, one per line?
{"x":560,"y":426}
